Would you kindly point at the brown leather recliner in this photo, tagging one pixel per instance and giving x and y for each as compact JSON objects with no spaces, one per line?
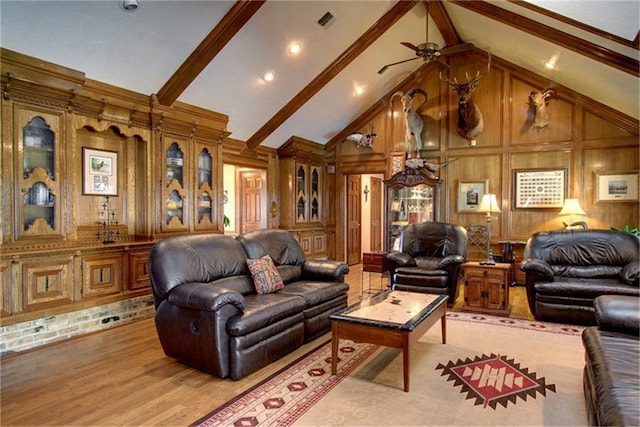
{"x":429,"y":259}
{"x":567,"y":270}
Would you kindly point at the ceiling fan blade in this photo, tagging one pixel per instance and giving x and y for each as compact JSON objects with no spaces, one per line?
{"x":383,"y":69}
{"x":412,"y":47}
{"x":457,"y":48}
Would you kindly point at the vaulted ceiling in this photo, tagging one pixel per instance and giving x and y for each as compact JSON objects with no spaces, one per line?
{"x":213,"y":54}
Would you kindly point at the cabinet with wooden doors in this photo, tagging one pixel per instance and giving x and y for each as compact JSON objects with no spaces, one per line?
{"x":46,"y":281}
{"x":139,"y":278}
{"x":101,"y":274}
{"x":411,"y":196}
{"x":6,"y":294}
{"x":486,"y":288}
{"x":301,"y":184}
{"x":38,"y":171}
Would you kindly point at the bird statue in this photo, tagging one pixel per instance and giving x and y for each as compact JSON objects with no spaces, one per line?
{"x":430,"y":168}
{"x":362,"y":140}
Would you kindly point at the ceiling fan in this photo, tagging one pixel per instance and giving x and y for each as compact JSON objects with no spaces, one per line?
{"x":429,"y":52}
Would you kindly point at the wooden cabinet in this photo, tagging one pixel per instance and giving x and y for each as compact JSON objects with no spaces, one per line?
{"x":139,"y":270}
{"x":486,"y":288}
{"x":176,"y":182}
{"x":101,"y":274}
{"x":411,"y":196}
{"x":38,"y":170}
{"x":46,"y":281}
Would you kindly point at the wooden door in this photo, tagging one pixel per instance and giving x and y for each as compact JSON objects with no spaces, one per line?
{"x":353,"y":219}
{"x":252,"y":199}
{"x":376,"y":214}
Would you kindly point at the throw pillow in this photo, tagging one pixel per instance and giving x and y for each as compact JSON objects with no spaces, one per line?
{"x":266,"y":278}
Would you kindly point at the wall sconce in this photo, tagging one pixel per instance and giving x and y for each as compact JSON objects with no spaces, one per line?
{"x":572,"y":209}
{"x":366,"y":192}
{"x":130,"y":4}
{"x":489,"y":204}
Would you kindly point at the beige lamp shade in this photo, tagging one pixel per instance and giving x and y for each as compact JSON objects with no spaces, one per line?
{"x":572,"y":207}
{"x":489,"y":204}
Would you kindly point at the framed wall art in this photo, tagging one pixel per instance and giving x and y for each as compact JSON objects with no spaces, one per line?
{"x":470,"y":193}
{"x":99,"y":172}
{"x":539,"y":188}
{"x":397,"y":162}
{"x":616,"y":187}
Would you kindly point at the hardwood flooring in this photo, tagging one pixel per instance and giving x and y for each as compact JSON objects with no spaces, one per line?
{"x":122,"y":377}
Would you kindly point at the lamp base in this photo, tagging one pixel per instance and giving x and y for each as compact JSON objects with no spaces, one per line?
{"x":489,"y":260}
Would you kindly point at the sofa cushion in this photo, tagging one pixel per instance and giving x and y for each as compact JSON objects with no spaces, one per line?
{"x":265,"y":275}
{"x":261,"y":311}
{"x":315,"y":293}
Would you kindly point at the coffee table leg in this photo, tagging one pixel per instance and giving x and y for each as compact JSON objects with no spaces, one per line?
{"x":405,"y":361}
{"x":334,"y":347}
{"x":443,"y":322}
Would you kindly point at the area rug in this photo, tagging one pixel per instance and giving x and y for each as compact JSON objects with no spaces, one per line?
{"x":492,"y":371}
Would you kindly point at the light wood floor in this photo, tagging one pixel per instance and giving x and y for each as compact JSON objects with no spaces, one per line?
{"x":121,"y":377}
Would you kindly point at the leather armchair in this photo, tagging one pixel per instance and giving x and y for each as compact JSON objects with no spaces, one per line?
{"x":429,"y":259}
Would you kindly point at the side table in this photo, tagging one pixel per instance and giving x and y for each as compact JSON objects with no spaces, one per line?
{"x":373,"y":262}
{"x":486,"y":288}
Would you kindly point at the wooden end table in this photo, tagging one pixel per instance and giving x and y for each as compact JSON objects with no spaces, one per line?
{"x":486,"y":288}
{"x":373,"y":262}
{"x":392,"y":319}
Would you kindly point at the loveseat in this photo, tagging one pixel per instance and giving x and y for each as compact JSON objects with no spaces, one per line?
{"x":429,"y":258}
{"x":209,"y":314}
{"x":566,"y":270}
{"x":611,"y":376}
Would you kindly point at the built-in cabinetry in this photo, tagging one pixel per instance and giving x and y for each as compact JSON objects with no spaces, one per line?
{"x":411,"y":196}
{"x":301,"y":184}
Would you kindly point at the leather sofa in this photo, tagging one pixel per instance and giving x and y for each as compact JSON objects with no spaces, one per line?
{"x":429,"y":259}
{"x":567,"y":270}
{"x":209,"y":315}
{"x":611,"y":376}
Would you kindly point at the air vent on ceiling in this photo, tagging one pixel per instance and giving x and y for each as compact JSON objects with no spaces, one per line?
{"x":326,"y":18}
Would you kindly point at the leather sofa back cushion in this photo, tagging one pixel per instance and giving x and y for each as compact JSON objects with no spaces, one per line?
{"x":280,"y":245}
{"x":195,"y":258}
{"x":433,"y":239}
{"x":597,"y":248}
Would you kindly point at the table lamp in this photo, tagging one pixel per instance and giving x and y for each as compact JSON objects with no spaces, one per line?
{"x":572,"y":209}
{"x":489,"y":204}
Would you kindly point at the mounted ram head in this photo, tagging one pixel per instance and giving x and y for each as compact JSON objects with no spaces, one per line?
{"x":412,"y":120}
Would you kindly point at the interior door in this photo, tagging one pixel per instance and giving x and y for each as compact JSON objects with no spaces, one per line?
{"x":376,"y":214}
{"x":252,"y":198}
{"x":353,"y":219}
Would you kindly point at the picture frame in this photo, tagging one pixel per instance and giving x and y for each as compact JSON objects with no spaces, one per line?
{"x":539,"y":188}
{"x":99,"y":172}
{"x":397,"y":162}
{"x":470,"y":194}
{"x":616,"y":187}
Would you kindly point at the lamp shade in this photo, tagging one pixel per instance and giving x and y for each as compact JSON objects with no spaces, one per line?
{"x":489,"y":204}
{"x":572,"y":207}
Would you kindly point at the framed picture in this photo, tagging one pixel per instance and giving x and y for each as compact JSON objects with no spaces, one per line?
{"x":99,"y":172}
{"x":616,"y":187}
{"x":539,"y":188}
{"x":470,"y":193}
{"x":397,"y":162}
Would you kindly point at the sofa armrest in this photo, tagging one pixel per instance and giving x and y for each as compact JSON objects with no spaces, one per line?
{"x":316,"y":269}
{"x":630,"y":273}
{"x":204,"y":296}
{"x":450,"y":261}
{"x":538,"y":266}
{"x":618,"y":313}
{"x":400,"y":259}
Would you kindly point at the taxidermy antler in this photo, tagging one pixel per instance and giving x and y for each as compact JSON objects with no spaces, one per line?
{"x":412,"y":120}
{"x":470,"y":120}
{"x":539,"y":101}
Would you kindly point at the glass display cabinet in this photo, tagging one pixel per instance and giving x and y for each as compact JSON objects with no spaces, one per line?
{"x":411,"y":196}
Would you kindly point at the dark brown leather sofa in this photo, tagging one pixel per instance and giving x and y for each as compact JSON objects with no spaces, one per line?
{"x":429,"y":259}
{"x":209,"y":316}
{"x":612,"y":363}
{"x":567,"y":270}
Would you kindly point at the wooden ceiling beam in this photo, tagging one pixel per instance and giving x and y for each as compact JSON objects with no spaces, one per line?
{"x":582,"y":47}
{"x":340,"y":63}
{"x":443,"y":22}
{"x":227,"y":28}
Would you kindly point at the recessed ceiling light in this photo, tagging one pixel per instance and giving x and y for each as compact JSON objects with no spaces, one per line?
{"x":268,"y":76}
{"x":358,"y":89}
{"x":294,"y":48}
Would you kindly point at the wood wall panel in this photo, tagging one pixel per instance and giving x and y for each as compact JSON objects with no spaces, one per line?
{"x":596,"y":127}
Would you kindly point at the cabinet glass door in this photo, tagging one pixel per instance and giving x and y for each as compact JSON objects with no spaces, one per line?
{"x":301,"y":194}
{"x":204,"y":211}
{"x":175,"y":189}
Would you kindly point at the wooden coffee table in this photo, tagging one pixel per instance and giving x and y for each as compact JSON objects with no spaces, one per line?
{"x":391,"y":318}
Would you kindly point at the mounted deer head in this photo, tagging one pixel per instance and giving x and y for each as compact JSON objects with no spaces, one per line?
{"x":412,"y":120}
{"x":539,"y":101}
{"x":470,"y":120}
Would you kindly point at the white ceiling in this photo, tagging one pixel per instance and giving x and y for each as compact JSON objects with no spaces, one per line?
{"x":141,"y":50}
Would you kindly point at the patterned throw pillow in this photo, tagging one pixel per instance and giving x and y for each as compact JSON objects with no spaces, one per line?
{"x":266,"y":278}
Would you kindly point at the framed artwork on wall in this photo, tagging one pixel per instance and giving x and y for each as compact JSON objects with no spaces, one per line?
{"x":99,"y":172}
{"x":539,"y":188}
{"x":470,"y":193}
{"x":397,"y":162}
{"x":616,"y":187}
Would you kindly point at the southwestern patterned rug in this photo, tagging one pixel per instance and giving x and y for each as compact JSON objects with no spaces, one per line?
{"x":492,"y":371}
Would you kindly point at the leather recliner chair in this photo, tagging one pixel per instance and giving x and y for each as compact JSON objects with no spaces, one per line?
{"x":429,"y":259}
